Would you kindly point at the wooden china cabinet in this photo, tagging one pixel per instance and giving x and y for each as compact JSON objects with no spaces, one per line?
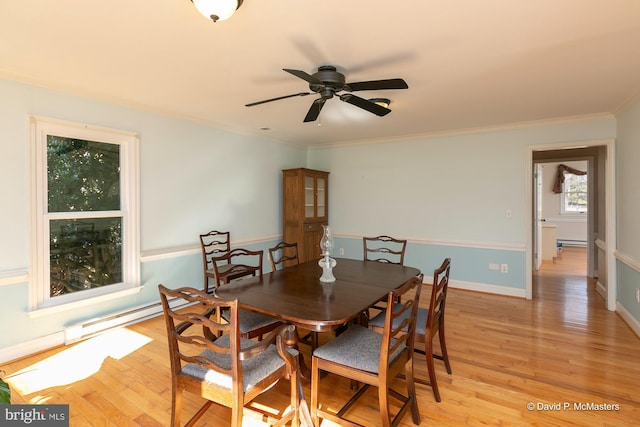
{"x":305,"y":210}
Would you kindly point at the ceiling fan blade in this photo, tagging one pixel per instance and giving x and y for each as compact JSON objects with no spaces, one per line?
{"x":278,"y":98}
{"x":315,"y":109}
{"x":378,"y":85}
{"x":304,"y":76}
{"x":365,"y":104}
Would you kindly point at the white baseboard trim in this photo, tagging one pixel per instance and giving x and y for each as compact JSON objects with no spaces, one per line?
{"x":96,"y":326}
{"x":28,"y":348}
{"x":601,"y":290}
{"x":628,"y":318}
{"x":482,"y":287}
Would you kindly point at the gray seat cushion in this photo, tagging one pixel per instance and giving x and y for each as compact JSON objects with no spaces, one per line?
{"x":357,"y":347}
{"x":421,"y":319}
{"x":253,"y":370}
{"x":250,"y":320}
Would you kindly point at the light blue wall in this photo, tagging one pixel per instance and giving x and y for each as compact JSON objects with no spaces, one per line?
{"x":193,"y":179}
{"x":628,"y":221}
{"x":472,"y":272}
{"x":449,"y":195}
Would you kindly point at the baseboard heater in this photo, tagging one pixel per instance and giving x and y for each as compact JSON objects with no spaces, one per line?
{"x":568,"y":242}
{"x":93,"y":327}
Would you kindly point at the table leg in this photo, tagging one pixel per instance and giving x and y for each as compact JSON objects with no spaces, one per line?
{"x":304,"y":415}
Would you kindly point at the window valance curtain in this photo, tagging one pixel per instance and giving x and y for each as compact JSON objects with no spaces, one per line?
{"x":557,"y":186}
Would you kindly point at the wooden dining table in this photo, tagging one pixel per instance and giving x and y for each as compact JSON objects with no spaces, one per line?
{"x":296,"y":295}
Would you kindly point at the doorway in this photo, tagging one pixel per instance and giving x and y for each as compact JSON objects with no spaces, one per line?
{"x":601,"y":218}
{"x":562,"y":208}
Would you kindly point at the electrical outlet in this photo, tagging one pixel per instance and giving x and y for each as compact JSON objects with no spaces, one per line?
{"x":341,"y":251}
{"x":494,"y":267}
{"x":637,"y":295}
{"x":504,"y":268}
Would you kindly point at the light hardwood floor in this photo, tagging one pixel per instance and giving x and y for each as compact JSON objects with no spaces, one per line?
{"x":563,"y":347}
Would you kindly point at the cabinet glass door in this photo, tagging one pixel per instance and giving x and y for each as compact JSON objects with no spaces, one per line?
{"x":321,"y":197}
{"x":309,"y":197}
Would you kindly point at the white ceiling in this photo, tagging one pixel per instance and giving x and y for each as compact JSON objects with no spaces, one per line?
{"x":468,"y":63}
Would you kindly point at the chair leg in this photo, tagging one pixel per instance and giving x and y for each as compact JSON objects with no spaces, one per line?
{"x":383,"y":398}
{"x":294,"y":381}
{"x":432,"y":371}
{"x":443,"y":348}
{"x":315,"y":389}
{"x":236,"y":414}
{"x":176,"y":407}
{"x":411,"y":393}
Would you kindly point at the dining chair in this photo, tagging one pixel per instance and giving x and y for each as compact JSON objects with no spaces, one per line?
{"x":224,"y":368}
{"x":283,"y":255}
{"x":373,"y":359}
{"x":215,"y":244}
{"x":384,"y":249}
{"x":236,"y":263}
{"x":429,"y":323}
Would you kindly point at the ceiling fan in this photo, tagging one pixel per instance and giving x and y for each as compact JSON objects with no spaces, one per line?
{"x":328,"y":82}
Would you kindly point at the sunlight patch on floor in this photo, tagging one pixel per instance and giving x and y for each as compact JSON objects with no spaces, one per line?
{"x":78,"y":362}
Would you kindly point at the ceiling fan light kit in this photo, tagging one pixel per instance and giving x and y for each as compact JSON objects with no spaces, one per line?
{"x":328,"y":82}
{"x":217,"y":10}
{"x":383,"y":102}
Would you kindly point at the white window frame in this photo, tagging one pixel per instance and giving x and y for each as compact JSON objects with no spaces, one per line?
{"x":40,"y":301}
{"x":563,"y":204}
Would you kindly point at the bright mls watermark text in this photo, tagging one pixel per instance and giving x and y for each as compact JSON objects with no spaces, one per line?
{"x":35,"y":415}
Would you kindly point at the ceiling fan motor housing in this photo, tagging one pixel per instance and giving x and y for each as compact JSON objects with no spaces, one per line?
{"x":332,"y":81}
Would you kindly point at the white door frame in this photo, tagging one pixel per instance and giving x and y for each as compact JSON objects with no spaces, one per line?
{"x":537,"y":217}
{"x":610,"y":213}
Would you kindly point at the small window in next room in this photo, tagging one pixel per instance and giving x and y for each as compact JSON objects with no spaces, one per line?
{"x":574,"y":194}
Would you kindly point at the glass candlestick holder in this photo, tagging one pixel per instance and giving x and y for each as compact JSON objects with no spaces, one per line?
{"x":327,"y":263}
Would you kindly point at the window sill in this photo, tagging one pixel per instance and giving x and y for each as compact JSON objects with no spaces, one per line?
{"x":47,"y":311}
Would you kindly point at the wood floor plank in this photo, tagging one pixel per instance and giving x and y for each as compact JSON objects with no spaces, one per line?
{"x":112,"y":412}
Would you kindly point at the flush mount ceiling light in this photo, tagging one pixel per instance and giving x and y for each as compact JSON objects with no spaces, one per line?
{"x":217,"y":10}
{"x":383,"y":102}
